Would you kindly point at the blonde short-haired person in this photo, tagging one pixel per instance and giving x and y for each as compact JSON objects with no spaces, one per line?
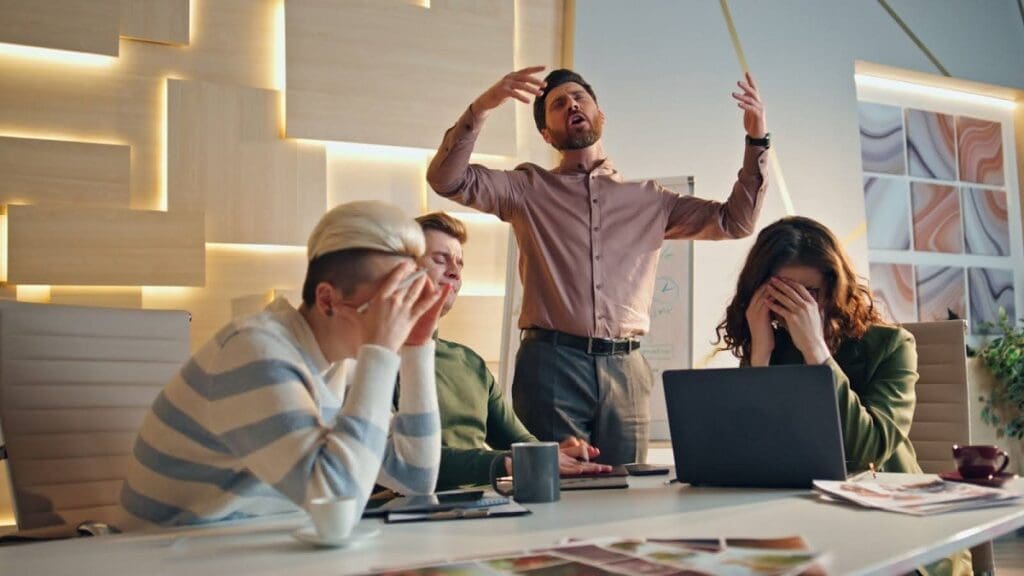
{"x":267,"y":416}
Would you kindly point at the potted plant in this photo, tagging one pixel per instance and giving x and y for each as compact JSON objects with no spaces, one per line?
{"x":1003,"y":407}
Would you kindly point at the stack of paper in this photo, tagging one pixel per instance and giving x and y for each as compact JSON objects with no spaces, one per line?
{"x":916,"y":497}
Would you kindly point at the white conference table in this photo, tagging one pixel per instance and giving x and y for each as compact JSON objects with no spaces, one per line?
{"x":859,"y":541}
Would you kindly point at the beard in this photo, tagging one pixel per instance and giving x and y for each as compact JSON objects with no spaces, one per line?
{"x":578,"y":140}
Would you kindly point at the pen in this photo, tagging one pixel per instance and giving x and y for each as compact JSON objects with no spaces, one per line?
{"x":405,"y":282}
{"x":860,"y":476}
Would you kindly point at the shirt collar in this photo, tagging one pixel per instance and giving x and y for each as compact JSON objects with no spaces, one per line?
{"x":291,"y":319}
{"x":603,"y":168}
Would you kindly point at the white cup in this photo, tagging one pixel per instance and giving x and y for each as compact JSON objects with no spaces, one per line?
{"x":333,"y":517}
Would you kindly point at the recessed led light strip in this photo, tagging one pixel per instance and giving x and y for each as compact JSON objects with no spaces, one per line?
{"x":56,"y":56}
{"x":866,"y":81}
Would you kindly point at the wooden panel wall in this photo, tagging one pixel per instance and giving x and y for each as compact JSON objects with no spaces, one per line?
{"x":404,"y":73}
{"x":399,"y":179}
{"x":105,"y":296}
{"x":232,"y":272}
{"x":52,"y":171}
{"x":137,"y":155}
{"x":161,"y":21}
{"x":64,"y":244}
{"x":59,"y":100}
{"x":226,"y":157}
{"x":234,"y":42}
{"x":77,"y":25}
{"x":479,"y":317}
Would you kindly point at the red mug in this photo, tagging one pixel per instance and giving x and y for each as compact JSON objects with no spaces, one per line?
{"x":979,"y":460}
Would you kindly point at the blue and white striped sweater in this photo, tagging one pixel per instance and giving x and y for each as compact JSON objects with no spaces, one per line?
{"x":253,"y":425}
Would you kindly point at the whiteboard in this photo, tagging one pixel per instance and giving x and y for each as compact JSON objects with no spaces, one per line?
{"x":667,"y":345}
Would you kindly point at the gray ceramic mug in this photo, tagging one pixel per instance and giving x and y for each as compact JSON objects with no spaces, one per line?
{"x":534,"y":472}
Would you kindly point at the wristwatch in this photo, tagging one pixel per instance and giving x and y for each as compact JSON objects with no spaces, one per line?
{"x":766,"y":141}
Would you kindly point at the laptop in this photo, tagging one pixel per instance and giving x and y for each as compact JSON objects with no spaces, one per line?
{"x":770,"y":427}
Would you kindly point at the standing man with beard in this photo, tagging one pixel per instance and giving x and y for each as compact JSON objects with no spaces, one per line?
{"x":589,"y":245}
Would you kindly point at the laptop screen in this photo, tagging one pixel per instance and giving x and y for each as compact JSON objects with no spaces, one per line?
{"x":774,"y":427}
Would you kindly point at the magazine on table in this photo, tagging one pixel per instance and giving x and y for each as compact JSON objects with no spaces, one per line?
{"x":660,"y":557}
{"x":916,"y":497}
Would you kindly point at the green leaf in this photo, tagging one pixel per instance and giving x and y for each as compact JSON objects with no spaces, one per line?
{"x":1003,"y":355}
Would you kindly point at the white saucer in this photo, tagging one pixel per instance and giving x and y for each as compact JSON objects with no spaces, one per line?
{"x":359,"y":533}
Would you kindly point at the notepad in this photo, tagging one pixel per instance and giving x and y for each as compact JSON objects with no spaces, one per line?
{"x":509,"y":508}
{"x":597,"y":480}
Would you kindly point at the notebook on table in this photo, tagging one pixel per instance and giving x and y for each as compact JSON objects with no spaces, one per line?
{"x":596,"y":480}
{"x":770,"y":427}
{"x":439,"y":502}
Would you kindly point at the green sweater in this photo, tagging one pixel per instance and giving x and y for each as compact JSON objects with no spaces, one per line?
{"x":477,"y":421}
{"x":875,"y":379}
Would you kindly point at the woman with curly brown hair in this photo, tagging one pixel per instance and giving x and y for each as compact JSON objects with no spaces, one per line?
{"x":799,"y":301}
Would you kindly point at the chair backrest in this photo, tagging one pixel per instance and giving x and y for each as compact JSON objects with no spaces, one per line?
{"x":75,"y":384}
{"x":942,"y":416}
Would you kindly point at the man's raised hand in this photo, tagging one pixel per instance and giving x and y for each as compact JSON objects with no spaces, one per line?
{"x":749,"y":100}
{"x":521,"y":85}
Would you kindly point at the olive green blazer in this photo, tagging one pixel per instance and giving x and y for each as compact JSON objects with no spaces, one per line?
{"x":875,"y":378}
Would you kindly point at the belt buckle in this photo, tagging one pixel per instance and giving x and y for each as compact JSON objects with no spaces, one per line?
{"x":624,"y":345}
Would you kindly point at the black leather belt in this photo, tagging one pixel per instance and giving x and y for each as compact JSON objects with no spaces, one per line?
{"x":592,"y":346}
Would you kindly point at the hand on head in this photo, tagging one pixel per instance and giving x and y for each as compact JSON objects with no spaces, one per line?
{"x":791,"y":302}
{"x":749,"y":100}
{"x":759,"y":321}
{"x":433,"y":298}
{"x":403,"y":314}
{"x":521,"y":85}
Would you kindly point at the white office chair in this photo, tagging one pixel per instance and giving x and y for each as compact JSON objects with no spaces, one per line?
{"x":942,"y":416}
{"x":943,"y":413}
{"x":75,"y":384}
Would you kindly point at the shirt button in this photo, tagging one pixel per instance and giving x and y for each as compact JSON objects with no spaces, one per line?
{"x":597,"y":228}
{"x":595,"y":200}
{"x":598,"y":287}
{"x":598,"y":257}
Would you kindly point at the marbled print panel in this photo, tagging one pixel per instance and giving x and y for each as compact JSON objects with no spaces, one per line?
{"x":931,"y":145}
{"x":986,"y":224}
{"x":893,"y":288}
{"x":981,"y":151}
{"x":940,"y":291}
{"x":989,"y":289}
{"x":936,"y":218}
{"x":887,"y":210}
{"x":881,"y":138}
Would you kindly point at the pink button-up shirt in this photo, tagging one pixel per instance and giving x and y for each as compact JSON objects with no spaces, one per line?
{"x":589,"y":242}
